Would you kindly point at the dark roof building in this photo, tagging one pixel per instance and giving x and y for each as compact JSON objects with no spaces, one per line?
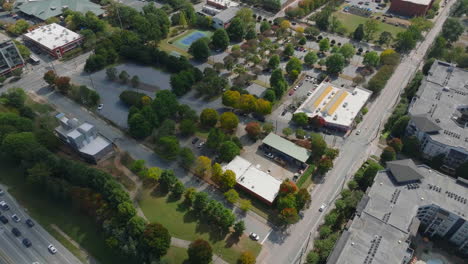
{"x":286,"y":149}
{"x":45,"y":9}
{"x":404,"y":171}
{"x":410,"y":8}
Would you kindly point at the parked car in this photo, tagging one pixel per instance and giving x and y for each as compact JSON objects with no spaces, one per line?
{"x":322,"y":207}
{"x":284,"y":112}
{"x":52,"y":249}
{"x":269,"y":155}
{"x":291,"y":92}
{"x":4,"y":206}
{"x":201,"y":144}
{"x":26,"y":242}
{"x":16,"y":232}
{"x":358,"y":132}
{"x":3,"y":219}
{"x":30,"y":223}
{"x":195,"y":140}
{"x":254,"y":236}
{"x":100,"y":106}
{"x":16,"y":218}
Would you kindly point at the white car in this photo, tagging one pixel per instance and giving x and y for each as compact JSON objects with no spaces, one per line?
{"x":16,"y":218}
{"x":52,"y":249}
{"x":254,"y":236}
{"x":322,"y":207}
{"x":100,"y":106}
{"x":201,"y":144}
{"x":358,"y":132}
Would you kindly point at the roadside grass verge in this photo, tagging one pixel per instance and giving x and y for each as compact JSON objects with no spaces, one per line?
{"x":306,"y":179}
{"x":184,"y":224}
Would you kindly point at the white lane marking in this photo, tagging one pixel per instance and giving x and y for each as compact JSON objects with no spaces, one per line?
{"x":263,"y":241}
{"x":11,"y":245}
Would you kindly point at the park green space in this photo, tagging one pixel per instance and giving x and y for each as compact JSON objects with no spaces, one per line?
{"x":176,"y":255}
{"x":184,"y":224}
{"x":351,"y":22}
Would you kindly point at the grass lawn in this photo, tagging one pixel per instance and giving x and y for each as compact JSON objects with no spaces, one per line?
{"x":46,"y":211}
{"x":351,"y":22}
{"x":184,"y":224}
{"x":176,"y":255}
{"x":306,"y":179}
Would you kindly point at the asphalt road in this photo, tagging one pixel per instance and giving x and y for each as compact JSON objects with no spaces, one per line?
{"x":292,"y":245}
{"x":12,"y":251}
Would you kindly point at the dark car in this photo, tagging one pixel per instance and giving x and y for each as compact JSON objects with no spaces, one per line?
{"x":16,"y":232}
{"x":258,"y":117}
{"x":195,"y":140}
{"x":3,"y":219}
{"x":30,"y":223}
{"x":26,"y":242}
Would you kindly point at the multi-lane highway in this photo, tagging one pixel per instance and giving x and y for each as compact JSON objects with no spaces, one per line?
{"x":12,"y":250}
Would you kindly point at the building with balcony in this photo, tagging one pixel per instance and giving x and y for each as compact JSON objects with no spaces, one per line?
{"x":404,"y":199}
{"x":439,"y":115}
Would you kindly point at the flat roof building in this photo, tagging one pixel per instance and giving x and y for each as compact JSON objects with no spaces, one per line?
{"x":45,"y":9}
{"x":410,"y":8}
{"x":260,"y":184}
{"x":10,"y":57}
{"x":84,"y":138}
{"x":286,"y":149}
{"x":223,"y":18}
{"x":53,"y":39}
{"x":337,"y":107}
{"x":439,"y":114}
{"x":221,"y":4}
{"x":404,"y":198}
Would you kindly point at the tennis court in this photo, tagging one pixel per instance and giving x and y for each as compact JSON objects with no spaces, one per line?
{"x":185,"y":41}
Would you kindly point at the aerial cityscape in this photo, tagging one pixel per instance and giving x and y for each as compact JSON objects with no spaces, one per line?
{"x":234,"y":131}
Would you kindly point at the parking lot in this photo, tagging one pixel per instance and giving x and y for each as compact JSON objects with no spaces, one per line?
{"x":12,"y":248}
{"x":373,"y":5}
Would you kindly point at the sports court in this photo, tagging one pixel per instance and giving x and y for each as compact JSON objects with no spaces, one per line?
{"x":184,"y":41}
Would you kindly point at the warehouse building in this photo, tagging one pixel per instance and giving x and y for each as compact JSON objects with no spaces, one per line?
{"x":410,"y":8}
{"x":336,"y":107}
{"x":45,"y":9}
{"x":405,"y":199}
{"x":439,"y":115}
{"x":254,"y":181}
{"x":84,"y":138}
{"x":53,"y":39}
{"x":286,"y":150}
{"x":10,"y":58}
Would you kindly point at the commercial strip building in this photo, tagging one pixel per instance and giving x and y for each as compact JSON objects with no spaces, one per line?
{"x":84,"y":138}
{"x":439,"y":115}
{"x":53,"y":39}
{"x":337,"y":107}
{"x":410,"y":8}
{"x":285,"y":150}
{"x":45,"y":9}
{"x":223,"y":18}
{"x":403,"y":200}
{"x":254,"y":181}
{"x":10,"y":57}
{"x":221,"y":4}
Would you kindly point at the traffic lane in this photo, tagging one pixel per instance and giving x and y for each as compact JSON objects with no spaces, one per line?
{"x":31,"y":254}
{"x":38,"y":235}
{"x":9,"y":248}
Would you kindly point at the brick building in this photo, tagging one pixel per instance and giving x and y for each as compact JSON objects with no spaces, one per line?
{"x":410,"y":8}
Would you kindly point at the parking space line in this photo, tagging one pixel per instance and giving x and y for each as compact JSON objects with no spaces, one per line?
{"x":267,"y":235}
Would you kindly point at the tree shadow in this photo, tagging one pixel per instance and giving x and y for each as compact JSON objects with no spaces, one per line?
{"x":157,"y":192}
{"x":190,"y":217}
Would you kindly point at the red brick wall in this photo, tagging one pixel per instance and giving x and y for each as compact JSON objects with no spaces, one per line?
{"x":404,"y":8}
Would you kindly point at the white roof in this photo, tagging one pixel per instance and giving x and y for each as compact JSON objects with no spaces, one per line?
{"x":85,"y":126}
{"x":95,"y":146}
{"x":74,"y":134}
{"x":335,"y":105}
{"x":52,"y":36}
{"x":419,"y":2}
{"x":253,"y":179}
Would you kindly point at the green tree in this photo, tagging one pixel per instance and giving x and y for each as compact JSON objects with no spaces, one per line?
{"x":138,"y":126}
{"x":437,"y":50}
{"x":264,"y":26}
{"x":231,"y":98}
{"x":318,"y":144}
{"x":398,"y":129}
{"x":220,"y":39}
{"x":178,"y":189}
{"x":371,"y":59}
{"x":231,"y":196}
{"x":288,"y":50}
{"x":50,"y":77}
{"x":294,"y":64}
{"x":228,"y":150}
{"x":370,"y":27}
{"x":182,"y":19}
{"x":236,"y":30}
{"x":385,"y":38}
{"x":322,"y":19}
{"x":388,"y":154}
{"x":300,"y":119}
{"x":287,"y":131}
{"x":274,"y":62}
{"x":324,"y":165}
{"x":111,"y":73}
{"x":245,"y":205}
{"x":324,"y":44}
{"x":203,"y":166}
{"x":335,"y":63}
{"x":187,"y":127}
{"x":135,"y":81}
{"x":287,"y":201}
{"x":411,"y":146}
{"x":209,"y":117}
{"x":167,"y":180}
{"x":253,"y":130}
{"x":199,"y":49}
{"x":289,"y":216}
{"x":124,"y":77}
{"x":268,"y":127}
{"x":278,"y":83}
{"x":313,"y":258}
{"x":303,"y":199}
{"x":200,"y":252}
{"x":396,"y":144}
{"x":310,"y":58}
{"x":452,"y":29}
{"x":347,"y":50}
{"x":156,"y":240}
{"x":215,"y":138}
{"x":405,"y":41}
{"x":239,"y":228}
{"x":187,"y":158}
{"x":38,"y":174}
{"x":168,"y":147}
{"x":359,"y":33}
{"x":228,"y":121}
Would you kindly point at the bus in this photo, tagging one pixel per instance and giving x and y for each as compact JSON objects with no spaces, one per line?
{"x":34,"y":60}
